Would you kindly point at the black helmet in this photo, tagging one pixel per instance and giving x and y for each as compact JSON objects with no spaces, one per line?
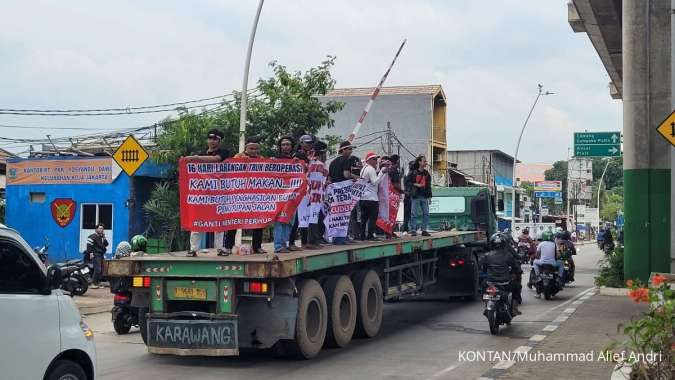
{"x":497,"y":240}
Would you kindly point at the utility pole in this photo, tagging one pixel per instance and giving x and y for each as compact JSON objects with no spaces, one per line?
{"x":390,"y":142}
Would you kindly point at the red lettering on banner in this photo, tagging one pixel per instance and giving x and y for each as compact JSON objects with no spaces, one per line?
{"x":239,"y":193}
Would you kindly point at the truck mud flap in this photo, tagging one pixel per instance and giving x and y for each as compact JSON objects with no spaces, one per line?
{"x":198,"y":337}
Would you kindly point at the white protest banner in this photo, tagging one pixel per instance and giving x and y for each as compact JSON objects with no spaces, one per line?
{"x":303,"y":212}
{"x":341,"y":198}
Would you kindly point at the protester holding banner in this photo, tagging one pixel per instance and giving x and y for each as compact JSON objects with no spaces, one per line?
{"x":213,"y":153}
{"x":369,"y":201}
{"x":341,"y":170}
{"x":251,"y":150}
{"x":282,"y":230}
{"x":303,"y":152}
{"x":419,"y":183}
{"x":316,"y":183}
{"x":389,"y":194}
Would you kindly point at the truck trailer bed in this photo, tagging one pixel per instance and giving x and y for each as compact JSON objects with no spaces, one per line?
{"x":271,"y":265}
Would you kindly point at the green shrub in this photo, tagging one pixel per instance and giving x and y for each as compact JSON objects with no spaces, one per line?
{"x":611,"y":270}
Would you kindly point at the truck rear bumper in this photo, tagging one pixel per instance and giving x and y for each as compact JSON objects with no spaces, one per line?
{"x":194,"y":351}
{"x":175,"y":335}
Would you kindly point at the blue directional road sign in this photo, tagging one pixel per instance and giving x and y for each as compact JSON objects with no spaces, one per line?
{"x":548,"y":194}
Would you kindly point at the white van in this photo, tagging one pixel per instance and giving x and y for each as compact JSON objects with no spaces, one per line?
{"x":43,"y":335}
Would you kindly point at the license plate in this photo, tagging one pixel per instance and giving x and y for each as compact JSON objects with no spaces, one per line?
{"x":84,"y":270}
{"x":192,"y":333}
{"x":190,"y":293}
{"x":489,"y":297}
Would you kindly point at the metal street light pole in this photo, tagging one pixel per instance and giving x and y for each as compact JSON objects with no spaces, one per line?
{"x":244,"y":89}
{"x":515,"y":157}
{"x":600,"y":184}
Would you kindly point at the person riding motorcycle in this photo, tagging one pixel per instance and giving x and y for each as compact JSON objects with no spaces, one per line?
{"x":501,"y":266}
{"x":566,"y":250}
{"x":607,"y":239}
{"x":526,"y":240}
{"x":548,"y":254}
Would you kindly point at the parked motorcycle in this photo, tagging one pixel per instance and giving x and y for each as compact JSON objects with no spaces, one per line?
{"x":548,"y":282}
{"x":498,"y":305}
{"x":76,"y":277}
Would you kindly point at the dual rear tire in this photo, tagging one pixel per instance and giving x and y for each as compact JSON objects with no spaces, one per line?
{"x":331,"y":315}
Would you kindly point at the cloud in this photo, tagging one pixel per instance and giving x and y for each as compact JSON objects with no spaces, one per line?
{"x":488,"y":59}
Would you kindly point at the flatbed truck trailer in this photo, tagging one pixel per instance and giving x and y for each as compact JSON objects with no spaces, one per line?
{"x":297,"y":302}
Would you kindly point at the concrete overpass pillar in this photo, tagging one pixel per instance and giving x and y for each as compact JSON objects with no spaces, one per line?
{"x":646,"y":34}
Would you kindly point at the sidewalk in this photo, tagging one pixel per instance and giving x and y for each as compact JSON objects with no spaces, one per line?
{"x":95,"y":301}
{"x":585,"y":326}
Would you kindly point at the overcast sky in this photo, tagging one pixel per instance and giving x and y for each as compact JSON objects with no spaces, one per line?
{"x":488,"y":56}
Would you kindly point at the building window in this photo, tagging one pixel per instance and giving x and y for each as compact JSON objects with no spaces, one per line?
{"x":90,"y":217}
{"x":37,"y":197}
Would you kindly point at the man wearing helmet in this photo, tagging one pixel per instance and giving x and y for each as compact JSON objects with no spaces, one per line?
{"x":501,"y":267}
{"x":547,"y":254}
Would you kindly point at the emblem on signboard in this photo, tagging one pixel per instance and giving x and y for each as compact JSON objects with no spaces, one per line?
{"x":63,"y":211}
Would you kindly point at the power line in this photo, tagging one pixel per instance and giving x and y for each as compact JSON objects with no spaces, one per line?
{"x":125,"y":109}
{"x":106,"y":113}
{"x":52,"y":128}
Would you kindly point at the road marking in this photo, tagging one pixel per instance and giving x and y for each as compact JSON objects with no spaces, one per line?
{"x":561,"y":318}
{"x":570,"y":310}
{"x":523,"y":349}
{"x":577,"y":302}
{"x":537,"y":338}
{"x":504,"y":364}
{"x":575,"y":298}
{"x":550,"y":328}
{"x":443,"y":371}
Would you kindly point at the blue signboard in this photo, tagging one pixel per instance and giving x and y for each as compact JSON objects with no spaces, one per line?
{"x":548,"y":194}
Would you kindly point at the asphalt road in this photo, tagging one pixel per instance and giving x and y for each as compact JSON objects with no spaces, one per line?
{"x":420,"y":339}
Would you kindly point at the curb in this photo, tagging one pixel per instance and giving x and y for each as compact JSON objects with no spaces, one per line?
{"x":613,"y":292}
{"x":86,"y":310}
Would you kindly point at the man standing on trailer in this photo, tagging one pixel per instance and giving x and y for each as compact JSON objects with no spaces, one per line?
{"x":213,"y":153}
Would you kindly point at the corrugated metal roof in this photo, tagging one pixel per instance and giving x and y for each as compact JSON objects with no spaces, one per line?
{"x":395,"y":90}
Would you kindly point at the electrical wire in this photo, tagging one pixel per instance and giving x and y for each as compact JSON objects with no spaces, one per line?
{"x":126,"y":109}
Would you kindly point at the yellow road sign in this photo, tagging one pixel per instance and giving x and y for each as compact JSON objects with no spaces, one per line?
{"x":130,"y":155}
{"x":667,"y":128}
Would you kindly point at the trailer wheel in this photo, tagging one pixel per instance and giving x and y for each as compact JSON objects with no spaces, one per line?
{"x":475,"y":280}
{"x":341,"y":300}
{"x":311,"y":322}
{"x":143,"y":324}
{"x":370,"y":303}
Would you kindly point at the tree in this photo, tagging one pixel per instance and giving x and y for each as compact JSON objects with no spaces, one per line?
{"x":613,"y":176}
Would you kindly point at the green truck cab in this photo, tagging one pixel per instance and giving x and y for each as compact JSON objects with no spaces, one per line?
{"x":462,"y":209}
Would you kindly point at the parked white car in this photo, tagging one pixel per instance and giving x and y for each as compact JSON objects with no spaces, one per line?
{"x":43,"y":334}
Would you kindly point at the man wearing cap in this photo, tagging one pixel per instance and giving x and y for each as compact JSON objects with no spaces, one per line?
{"x":315,"y":230}
{"x":304,"y":152}
{"x":341,"y":170}
{"x":251,"y":150}
{"x":369,"y":200}
{"x":281,"y":230}
{"x":214,"y":153}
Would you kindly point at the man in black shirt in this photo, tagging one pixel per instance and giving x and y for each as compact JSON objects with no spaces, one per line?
{"x":214,"y":153}
{"x":304,"y":152}
{"x":97,"y":245}
{"x":341,"y":167}
{"x":341,"y":170}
